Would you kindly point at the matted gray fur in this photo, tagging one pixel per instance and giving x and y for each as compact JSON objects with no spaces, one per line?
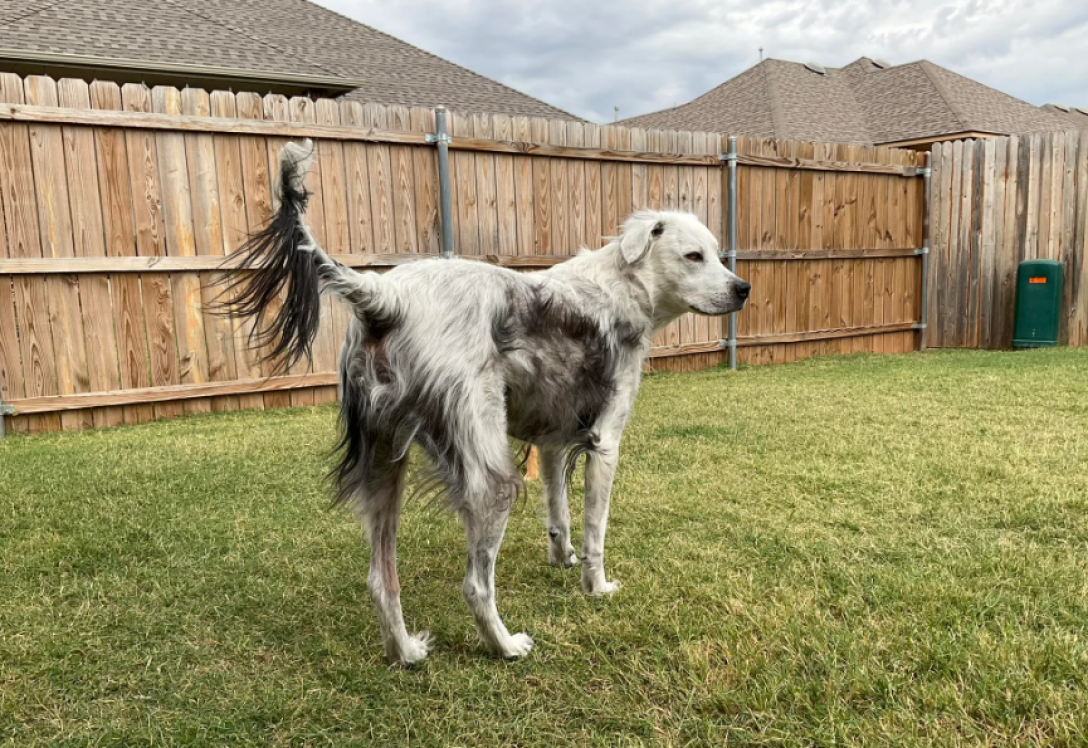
{"x":456,"y":356}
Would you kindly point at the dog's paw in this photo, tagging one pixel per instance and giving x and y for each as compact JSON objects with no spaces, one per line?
{"x":516,"y":645}
{"x":600,"y":589}
{"x":415,"y":648}
{"x":563,"y":558}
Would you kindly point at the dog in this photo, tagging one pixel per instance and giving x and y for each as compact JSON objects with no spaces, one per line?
{"x":456,"y":356}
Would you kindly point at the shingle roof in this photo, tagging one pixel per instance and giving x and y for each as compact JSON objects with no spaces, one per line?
{"x":258,"y":36}
{"x":1077,"y":115}
{"x":861,"y":103}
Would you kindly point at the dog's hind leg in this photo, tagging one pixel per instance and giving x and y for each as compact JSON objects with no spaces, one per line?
{"x":552,"y":471}
{"x":484,"y":527}
{"x":380,"y":510}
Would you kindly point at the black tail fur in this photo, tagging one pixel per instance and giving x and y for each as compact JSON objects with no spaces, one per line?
{"x":276,"y":281}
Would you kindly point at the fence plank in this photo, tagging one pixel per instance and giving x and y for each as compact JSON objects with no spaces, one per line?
{"x":55,"y":226}
{"x":576,"y":183}
{"x":463,"y":173}
{"x":356,"y":165}
{"x":505,"y":190}
{"x":425,"y":176}
{"x":487,"y":209}
{"x":31,"y":295}
{"x":404,"y":209}
{"x":89,"y":238}
{"x":379,"y":166}
{"x":280,"y":108}
{"x":1078,"y":325}
{"x":560,"y":199}
{"x":1066,"y":252}
{"x":119,"y":225}
{"x":208,"y":239}
{"x":257,"y":185}
{"x":333,"y":178}
{"x":189,"y":332}
{"x":542,"y":207}
{"x":318,"y":215}
{"x":11,"y":366}
{"x":235,"y":229}
{"x":523,"y":192}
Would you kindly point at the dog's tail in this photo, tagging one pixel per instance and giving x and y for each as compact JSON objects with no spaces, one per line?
{"x":282,"y":262}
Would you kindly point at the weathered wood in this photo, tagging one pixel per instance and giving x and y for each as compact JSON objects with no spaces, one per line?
{"x":168,"y":122}
{"x":115,"y":187}
{"x":257,"y":188}
{"x":542,"y":207}
{"x":576,"y":183}
{"x":39,"y":373}
{"x":1077,"y":280}
{"x":89,"y":240}
{"x":173,"y":393}
{"x":208,"y":239}
{"x":524,"y":207}
{"x":78,"y":265}
{"x":425,"y":165}
{"x":404,"y":209}
{"x":987,"y":247}
{"x":749,"y":341}
{"x":486,"y":206}
{"x":189,"y":333}
{"x":1066,"y":251}
{"x":523,"y":192}
{"x":55,"y":226}
{"x":557,"y":186}
{"x":334,"y":197}
{"x":357,"y":185}
{"x":380,"y":167}
{"x":463,"y":175}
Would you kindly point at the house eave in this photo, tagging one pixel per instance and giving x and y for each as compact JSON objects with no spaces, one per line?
{"x":156,"y":73}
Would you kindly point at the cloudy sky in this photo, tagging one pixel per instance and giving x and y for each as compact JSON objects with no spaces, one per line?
{"x":588,"y":56}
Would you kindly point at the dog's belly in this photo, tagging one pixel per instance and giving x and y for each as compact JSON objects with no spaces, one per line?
{"x":553,"y":400}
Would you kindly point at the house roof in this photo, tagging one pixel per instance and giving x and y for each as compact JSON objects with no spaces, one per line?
{"x":267,"y":40}
{"x":1077,"y":115}
{"x":864,"y":102}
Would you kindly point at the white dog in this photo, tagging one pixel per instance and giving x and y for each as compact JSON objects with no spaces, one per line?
{"x":456,"y":356}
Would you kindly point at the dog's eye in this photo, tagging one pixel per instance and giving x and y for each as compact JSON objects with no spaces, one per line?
{"x":694,"y":256}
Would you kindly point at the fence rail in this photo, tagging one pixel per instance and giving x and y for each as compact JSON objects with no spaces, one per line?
{"x":120,"y":203}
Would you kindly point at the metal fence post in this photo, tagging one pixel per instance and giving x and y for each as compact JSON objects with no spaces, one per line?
{"x":730,"y":159}
{"x":442,"y":139}
{"x":927,"y":174}
{"x":5,"y":410}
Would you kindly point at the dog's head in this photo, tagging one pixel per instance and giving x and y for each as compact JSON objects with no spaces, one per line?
{"x":681,"y":257}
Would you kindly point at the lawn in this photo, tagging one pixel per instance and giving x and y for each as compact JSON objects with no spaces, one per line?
{"x":860,"y":551}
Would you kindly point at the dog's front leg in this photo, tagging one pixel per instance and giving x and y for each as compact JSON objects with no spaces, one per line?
{"x":560,"y":551}
{"x":600,"y":470}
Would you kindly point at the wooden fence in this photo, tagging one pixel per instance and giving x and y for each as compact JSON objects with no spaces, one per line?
{"x":994,"y":203}
{"x":118,"y":204}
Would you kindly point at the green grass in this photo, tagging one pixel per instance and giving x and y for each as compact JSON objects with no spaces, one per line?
{"x":854,"y":551}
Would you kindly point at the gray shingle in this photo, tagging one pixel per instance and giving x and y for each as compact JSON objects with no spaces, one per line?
{"x":1076,"y":115}
{"x":859,"y":103}
{"x":259,"y":36}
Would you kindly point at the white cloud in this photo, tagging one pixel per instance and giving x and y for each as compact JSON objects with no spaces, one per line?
{"x":587,"y":56}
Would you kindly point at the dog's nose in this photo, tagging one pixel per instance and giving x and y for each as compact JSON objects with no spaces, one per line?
{"x":742,"y":287}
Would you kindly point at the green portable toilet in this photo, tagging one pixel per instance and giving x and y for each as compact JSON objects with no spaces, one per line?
{"x":1038,"y":303}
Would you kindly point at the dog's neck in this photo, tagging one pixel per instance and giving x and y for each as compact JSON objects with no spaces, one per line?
{"x":634,"y":287}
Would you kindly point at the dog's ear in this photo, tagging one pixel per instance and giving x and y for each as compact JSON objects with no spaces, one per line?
{"x":640,"y":231}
